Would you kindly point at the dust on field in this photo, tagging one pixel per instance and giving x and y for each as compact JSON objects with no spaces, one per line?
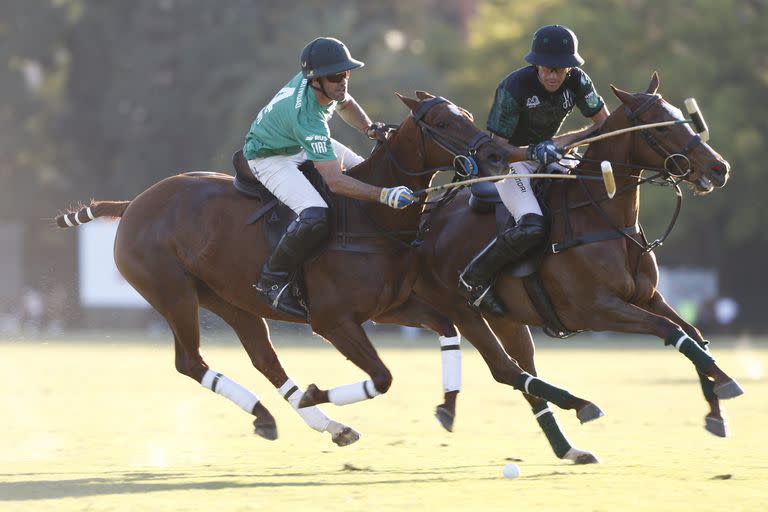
{"x":114,"y":428}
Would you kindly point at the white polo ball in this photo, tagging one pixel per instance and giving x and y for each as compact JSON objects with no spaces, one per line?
{"x":511,"y":471}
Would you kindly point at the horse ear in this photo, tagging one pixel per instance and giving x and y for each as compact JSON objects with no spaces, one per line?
{"x":624,"y":96}
{"x":424,"y":95}
{"x":409,"y":102}
{"x":654,"y":85}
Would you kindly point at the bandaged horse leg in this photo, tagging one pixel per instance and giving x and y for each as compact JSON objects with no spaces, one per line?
{"x":715,"y":421}
{"x":506,"y":370}
{"x":414,"y":312}
{"x":450,"y":348}
{"x":724,"y":387}
{"x":243,"y":398}
{"x":518,"y":343}
{"x":615,"y":314}
{"x":350,"y":339}
{"x":316,"y":418}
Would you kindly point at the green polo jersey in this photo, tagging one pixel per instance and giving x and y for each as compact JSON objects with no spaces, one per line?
{"x":524,"y":112}
{"x":293,"y":120}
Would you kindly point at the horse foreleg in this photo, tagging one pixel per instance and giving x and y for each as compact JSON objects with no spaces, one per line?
{"x":714,"y":421}
{"x":254,"y":336}
{"x":350,"y":339}
{"x":614,"y":314}
{"x":506,"y":370}
{"x":416,"y":313}
{"x":518,"y":343}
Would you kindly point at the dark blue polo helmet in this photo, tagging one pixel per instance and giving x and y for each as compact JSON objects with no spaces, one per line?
{"x":555,"y":46}
{"x":326,"y":56}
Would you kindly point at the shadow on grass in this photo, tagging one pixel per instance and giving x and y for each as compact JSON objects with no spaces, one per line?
{"x":147,"y":482}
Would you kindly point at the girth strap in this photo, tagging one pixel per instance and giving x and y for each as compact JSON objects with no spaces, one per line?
{"x":595,"y":237}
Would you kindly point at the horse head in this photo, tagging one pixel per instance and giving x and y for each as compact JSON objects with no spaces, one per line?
{"x":676,"y":149}
{"x":451,"y":138}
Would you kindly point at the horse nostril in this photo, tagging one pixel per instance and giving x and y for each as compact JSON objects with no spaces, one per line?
{"x":719,"y":169}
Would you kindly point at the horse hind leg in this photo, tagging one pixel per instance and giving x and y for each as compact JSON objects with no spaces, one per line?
{"x":518,"y":343}
{"x":253,"y":333}
{"x":175,"y":298}
{"x":506,"y":370}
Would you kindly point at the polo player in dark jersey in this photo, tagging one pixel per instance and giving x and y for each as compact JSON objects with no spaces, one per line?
{"x":531,"y":104}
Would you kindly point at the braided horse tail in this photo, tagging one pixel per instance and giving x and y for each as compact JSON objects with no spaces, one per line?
{"x":94,"y":210}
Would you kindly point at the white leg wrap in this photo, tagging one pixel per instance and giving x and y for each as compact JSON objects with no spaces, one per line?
{"x":227,"y":388}
{"x":312,"y":416}
{"x":451,"y":352}
{"x":351,"y":393}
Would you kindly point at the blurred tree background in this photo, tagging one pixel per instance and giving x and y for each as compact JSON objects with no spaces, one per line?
{"x":102,"y":98}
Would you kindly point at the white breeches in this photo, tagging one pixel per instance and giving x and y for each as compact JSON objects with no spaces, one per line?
{"x":281,"y":175}
{"x":516,"y":193}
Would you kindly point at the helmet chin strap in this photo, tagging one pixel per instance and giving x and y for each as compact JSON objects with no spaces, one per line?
{"x":321,"y":88}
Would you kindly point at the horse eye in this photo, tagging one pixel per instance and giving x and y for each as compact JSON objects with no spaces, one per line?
{"x":661,"y":128}
{"x":442,"y":124}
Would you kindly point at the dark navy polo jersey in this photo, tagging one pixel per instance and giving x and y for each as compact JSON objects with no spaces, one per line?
{"x":525,"y":113}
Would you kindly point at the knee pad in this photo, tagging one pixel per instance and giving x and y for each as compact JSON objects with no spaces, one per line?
{"x":312,"y":224}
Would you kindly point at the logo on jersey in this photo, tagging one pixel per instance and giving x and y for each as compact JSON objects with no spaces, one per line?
{"x":592,"y":99}
{"x":319,"y":143}
{"x":567,"y":99}
{"x":532,"y":102}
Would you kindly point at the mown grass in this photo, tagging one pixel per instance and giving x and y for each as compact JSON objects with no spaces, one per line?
{"x":112,"y":427}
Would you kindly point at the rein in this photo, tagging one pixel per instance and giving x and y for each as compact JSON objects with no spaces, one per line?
{"x":464,"y":165}
{"x":668,"y":178}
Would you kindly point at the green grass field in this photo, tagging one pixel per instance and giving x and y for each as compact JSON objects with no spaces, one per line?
{"x":113,"y":427}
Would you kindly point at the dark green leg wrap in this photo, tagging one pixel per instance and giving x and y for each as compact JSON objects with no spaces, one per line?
{"x":557,"y":440}
{"x":707,"y":385}
{"x":527,"y":383}
{"x":690,"y":349}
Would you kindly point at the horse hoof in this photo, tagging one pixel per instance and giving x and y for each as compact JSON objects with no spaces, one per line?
{"x":266,"y":430}
{"x":346,"y":437}
{"x":716,"y":426}
{"x":730,"y":389}
{"x":589,"y":412}
{"x":580,"y":457}
{"x":310,"y":397}
{"x":445,"y":417}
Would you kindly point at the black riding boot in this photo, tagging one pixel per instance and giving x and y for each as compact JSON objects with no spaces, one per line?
{"x":302,"y":236}
{"x":478,"y":277}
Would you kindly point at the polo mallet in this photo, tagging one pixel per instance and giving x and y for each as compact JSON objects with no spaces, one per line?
{"x":607,"y":178}
{"x":697,"y":119}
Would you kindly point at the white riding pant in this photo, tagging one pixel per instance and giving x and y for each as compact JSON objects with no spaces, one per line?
{"x":516,"y":193}
{"x":280,"y":174}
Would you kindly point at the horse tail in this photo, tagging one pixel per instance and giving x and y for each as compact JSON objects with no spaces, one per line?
{"x":75,"y":217}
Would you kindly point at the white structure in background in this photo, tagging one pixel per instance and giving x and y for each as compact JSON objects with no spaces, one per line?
{"x":101,"y":284}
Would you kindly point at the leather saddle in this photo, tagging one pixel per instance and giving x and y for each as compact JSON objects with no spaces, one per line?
{"x":277,"y":216}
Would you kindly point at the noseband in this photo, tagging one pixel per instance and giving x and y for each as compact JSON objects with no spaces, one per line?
{"x":672,"y":160}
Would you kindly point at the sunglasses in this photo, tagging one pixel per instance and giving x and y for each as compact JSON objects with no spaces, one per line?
{"x":338,"y":77}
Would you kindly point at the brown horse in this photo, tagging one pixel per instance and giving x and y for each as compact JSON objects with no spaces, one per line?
{"x":183,"y":244}
{"x":607,"y":280}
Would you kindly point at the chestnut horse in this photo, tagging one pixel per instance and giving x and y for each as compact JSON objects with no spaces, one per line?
{"x":184,"y":244}
{"x":608,"y":281}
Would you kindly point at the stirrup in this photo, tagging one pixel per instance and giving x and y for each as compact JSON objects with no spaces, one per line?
{"x":483,"y":298}
{"x":278,"y":299}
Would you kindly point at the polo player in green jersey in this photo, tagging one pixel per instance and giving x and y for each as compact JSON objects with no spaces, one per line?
{"x":293,"y":128}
